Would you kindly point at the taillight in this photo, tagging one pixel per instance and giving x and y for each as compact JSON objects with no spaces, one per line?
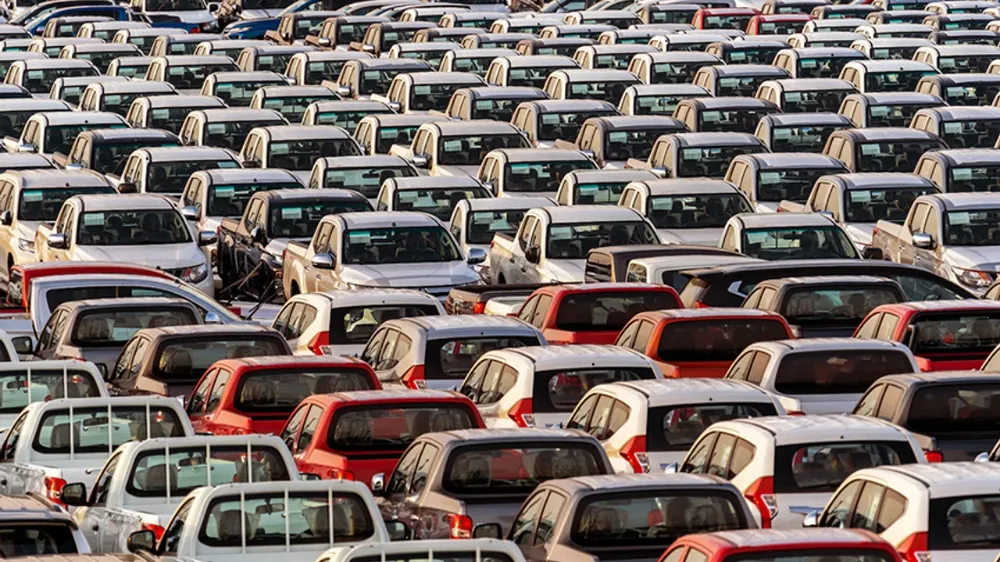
{"x":460,"y":525}
{"x":53,"y":489}
{"x":914,"y":548}
{"x":523,"y":413}
{"x":338,"y":474}
{"x":933,"y":456}
{"x":635,"y":453}
{"x":795,"y":413}
{"x":157,"y":530}
{"x":699,"y":304}
{"x":761,"y":494}
{"x":319,"y":340}
{"x":874,"y":231}
{"x":414,"y":378}
{"x":479,"y":308}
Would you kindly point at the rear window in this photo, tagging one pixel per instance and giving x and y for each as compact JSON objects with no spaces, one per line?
{"x":715,"y":340}
{"x":814,"y":555}
{"x":964,"y":523}
{"x":493,"y":470}
{"x":450,"y":555}
{"x":35,"y":538}
{"x":356,"y":325}
{"x":837,"y":372}
{"x":676,"y":428}
{"x":560,"y":391}
{"x":655,"y":517}
{"x":114,"y":327}
{"x":821,"y":467}
{"x":607,"y":311}
{"x":280,"y":392}
{"x":22,"y":387}
{"x":183,"y":469}
{"x":950,"y":333}
{"x":188,"y":360}
{"x":101,"y":430}
{"x":955,"y":408}
{"x":830,"y":306}
{"x":394,"y":426}
{"x":452,"y":359}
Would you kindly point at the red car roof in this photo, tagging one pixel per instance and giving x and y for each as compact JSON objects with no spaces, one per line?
{"x":288,"y":361}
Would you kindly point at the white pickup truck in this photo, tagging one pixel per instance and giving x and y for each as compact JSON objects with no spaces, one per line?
{"x":69,"y":439}
{"x":457,"y":148}
{"x":27,"y":382}
{"x":143,"y":482}
{"x":551,"y":245}
{"x":471,"y":550}
{"x":295,"y":521}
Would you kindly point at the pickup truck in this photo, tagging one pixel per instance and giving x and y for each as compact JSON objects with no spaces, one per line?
{"x":251,"y":521}
{"x":858,"y":201}
{"x":166,"y":170}
{"x":474,"y":299}
{"x":69,"y":439}
{"x":420,"y":92}
{"x":551,"y":244}
{"x":389,"y":249}
{"x":529,"y":172}
{"x":787,"y":236}
{"x":48,"y":132}
{"x":45,"y":379}
{"x":457,"y":148}
{"x":143,"y":482}
{"x":104,"y":150}
{"x":249,"y":251}
{"x":955,"y":235}
{"x":488,"y":102}
{"x":474,"y":222}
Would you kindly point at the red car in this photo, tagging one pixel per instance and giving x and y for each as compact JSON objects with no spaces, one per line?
{"x":769,"y":545}
{"x":723,"y":18}
{"x":22,"y":275}
{"x":955,"y":335}
{"x":593,"y":312}
{"x":356,"y":435}
{"x":256,"y":395}
{"x":777,"y":24}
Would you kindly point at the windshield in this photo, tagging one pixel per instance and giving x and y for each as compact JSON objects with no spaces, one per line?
{"x":965,"y":65}
{"x":92,"y":430}
{"x":790,"y":185}
{"x":565,"y":126}
{"x":610,"y":90}
{"x":798,"y":243}
{"x":895,"y":81}
{"x":670,"y":428}
{"x":895,"y":53}
{"x":170,"y":177}
{"x":962,"y":523}
{"x":540,"y":177}
{"x":822,"y":467}
{"x":669,"y":16}
{"x":978,"y":94}
{"x":399,"y":245}
{"x":974,"y":332}
{"x":740,"y":86}
{"x":837,"y":372}
{"x":696,"y":211}
{"x":366,"y":181}
{"x":804,"y":138}
{"x":132,"y":228}
{"x":231,"y":200}
{"x":617,"y":61}
{"x":388,"y":136}
{"x":22,"y":387}
{"x":12,"y":122}
{"x":751,"y":55}
{"x":390,"y":427}
{"x":119,"y":103}
{"x":108,"y":156}
{"x":232,"y":134}
{"x":715,"y":340}
{"x":893,"y":156}
{"x":424,"y":97}
{"x":504,"y":471}
{"x":711,"y":161}
{"x":654,"y":518}
{"x":471,"y":150}
{"x":356,"y":325}
{"x":741,"y":120}
{"x":597,"y":311}
{"x":482,"y":225}
{"x":376,"y":81}
{"x":348,"y":33}
{"x":184,"y":469}
{"x":40,"y":81}
{"x":827,"y":67}
{"x":893,"y":115}
{"x":779,"y":27}
{"x":433,"y":57}
{"x":812,"y":101}
{"x":873,"y":205}
{"x":495,"y":109}
{"x":738,"y":21}
{"x":186,"y":361}
{"x":168,"y":118}
{"x":239,"y":94}
{"x":675,"y":72}
{"x":347,"y":120}
{"x":437,"y":202}
{"x":279,"y":392}
{"x":300,"y":154}
{"x":829,"y":306}
{"x":955,"y":408}
{"x":278,"y":63}
{"x":658,"y":105}
{"x":112,"y":328}
{"x":44,"y":204}
{"x":971,"y":134}
{"x":292,"y":107}
{"x":191,"y":77}
{"x":973,"y":228}
{"x":299,"y":220}
{"x":574,"y":241}
{"x":598,"y":193}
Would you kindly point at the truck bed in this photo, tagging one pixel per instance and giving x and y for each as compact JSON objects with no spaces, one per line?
{"x":473,"y":298}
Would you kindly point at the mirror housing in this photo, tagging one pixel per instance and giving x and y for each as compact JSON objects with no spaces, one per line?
{"x":672,"y":468}
{"x":421,"y":161}
{"x":589,"y":154}
{"x":258,"y":235}
{"x":140,"y":541}
{"x":659,"y":171}
{"x":983,"y":457}
{"x":207,"y":238}
{"x":343,"y":91}
{"x":324,"y":41}
{"x":923,"y":241}
{"x":127,"y":187}
{"x":366,"y":48}
{"x":398,"y":531}
{"x":872,"y":253}
{"x":811,"y":519}
{"x":476,"y":256}
{"x":190,"y":213}
{"x":23,"y":345}
{"x":6,"y":218}
{"x":487,"y":531}
{"x":74,"y":494}
{"x":58,"y":241}
{"x":324,"y":260}
{"x":212,"y":318}
{"x":214,"y":6}
{"x":378,"y":482}
{"x":533,"y":254}
{"x":26,"y":147}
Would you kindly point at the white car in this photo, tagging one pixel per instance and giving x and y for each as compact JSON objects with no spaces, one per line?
{"x":27,"y":382}
{"x":667,"y":270}
{"x":943,"y":511}
{"x":486,"y":550}
{"x":787,"y":466}
{"x":540,"y":386}
{"x":341,"y":322}
{"x":655,"y":422}
{"x":32,"y":526}
{"x":821,"y":375}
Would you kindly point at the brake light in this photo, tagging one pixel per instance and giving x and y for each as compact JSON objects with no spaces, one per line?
{"x":479,"y":308}
{"x":914,"y":548}
{"x":761,"y":494}
{"x":933,"y":456}
{"x":460,"y":525}
{"x":635,"y":453}
{"x":53,"y":489}
{"x":874,"y":231}
{"x":795,"y":413}
{"x":319,"y":340}
{"x":157,"y":530}
{"x":338,"y":474}
{"x":523,"y":413}
{"x":236,"y":310}
{"x":414,"y":378}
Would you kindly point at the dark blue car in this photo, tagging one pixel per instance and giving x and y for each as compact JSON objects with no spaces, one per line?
{"x":257,"y":17}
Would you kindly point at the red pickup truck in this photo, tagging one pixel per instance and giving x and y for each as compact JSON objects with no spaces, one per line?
{"x":592,"y":313}
{"x":953,"y":335}
{"x":256,"y":395}
{"x":356,"y":435}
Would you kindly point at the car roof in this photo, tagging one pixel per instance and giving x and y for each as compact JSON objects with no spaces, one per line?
{"x":547,"y":357}
{"x":894,"y":98}
{"x":943,"y":377}
{"x":127,"y":302}
{"x":680,"y":391}
{"x":767,"y":538}
{"x":121,"y":202}
{"x":130,"y":134}
{"x":436,"y":182}
{"x":224,"y":114}
{"x":130,"y":86}
{"x":462,"y":325}
{"x":958,"y":201}
{"x":249,"y":175}
{"x":58,"y":179}
{"x":822,"y":280}
{"x":774,"y":160}
{"x":535,"y":155}
{"x":626,"y":482}
{"x":810,"y":84}
{"x":159,"y":102}
{"x":790,"y":430}
{"x":540,"y":60}
{"x":386,"y":395}
{"x":943,"y":305}
{"x":798,"y":119}
{"x":463,"y":437}
{"x":964,"y":113}
{"x":435,"y":77}
{"x":779,"y":347}
{"x":591,"y":213}
{"x":882,"y":180}
{"x":247,"y":76}
{"x":302,"y":132}
{"x":610,"y":175}
{"x":572,"y":105}
{"x":783,"y":220}
{"x":183,"y":153}
{"x":473,"y":127}
{"x":383,"y":219}
{"x":715,"y":139}
{"x":507,"y":203}
{"x":675,"y":186}
{"x":712,"y":313}
{"x":729,"y":102}
{"x":944,"y":479}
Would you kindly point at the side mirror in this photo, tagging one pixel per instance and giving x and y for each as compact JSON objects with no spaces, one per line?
{"x":343,"y":91}
{"x":397,"y":530}
{"x":207,"y":238}
{"x":213,"y":318}
{"x":366,"y":48}
{"x":421,"y":161}
{"x":660,"y":172}
{"x":589,"y":154}
{"x":26,"y":147}
{"x":324,"y":41}
{"x":190,"y":213}
{"x":872,"y":253}
{"x":487,"y":531}
{"x":672,"y":468}
{"x":258,"y":235}
{"x":251,"y":164}
{"x":127,"y":187}
{"x":811,"y":519}
{"x":476,"y":256}
{"x":395,"y":106}
{"x":378,"y":482}
{"x":533,"y":254}
{"x":983,"y":457}
{"x":6,"y":218}
{"x":74,"y":494}
{"x":141,"y":541}
{"x":58,"y":241}
{"x":324,"y":260}
{"x":23,"y":345}
{"x":214,"y":6}
{"x":923,"y":241}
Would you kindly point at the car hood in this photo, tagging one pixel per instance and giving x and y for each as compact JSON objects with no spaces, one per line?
{"x":696,"y":236}
{"x":187,"y":16}
{"x":565,"y":270}
{"x":410,"y":274}
{"x":163,"y":256}
{"x":986,"y":258}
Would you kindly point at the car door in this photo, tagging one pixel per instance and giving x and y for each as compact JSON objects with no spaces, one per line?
{"x":243,"y":238}
{"x":111,"y":519}
{"x":522,"y":531}
{"x":430,"y":521}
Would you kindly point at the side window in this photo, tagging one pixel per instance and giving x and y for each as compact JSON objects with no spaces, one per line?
{"x":550,"y":516}
{"x":11,"y":439}
{"x":932,"y":225}
{"x":756,"y":373}
{"x":718,"y":463}
{"x":218,"y":389}
{"x":121,"y":367}
{"x":739,"y":369}
{"x":400,"y":480}
{"x":893,"y":506}
{"x":742,"y":455}
{"x":138,"y":358}
{"x":866,"y":511}
{"x":838,"y":512}
{"x":308,"y":428}
{"x":888,"y":327}
{"x":99,"y":495}
{"x":918,"y":217}
{"x":890,"y":402}
{"x":695,"y":555}
{"x":868,"y":405}
{"x":292,"y":427}
{"x":538,"y":316}
{"x":643,"y":336}
{"x":370,"y":354}
{"x":196,"y":405}
{"x":583,"y":412}
{"x":697,"y":459}
{"x":422,"y":469}
{"x":598,"y":426}
{"x":869,"y":327}
{"x":528,"y":309}
{"x":525,"y":233}
{"x":523,"y":529}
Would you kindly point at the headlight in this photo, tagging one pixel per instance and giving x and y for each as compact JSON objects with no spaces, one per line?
{"x":26,"y":245}
{"x":195,"y":274}
{"x":973,"y":277}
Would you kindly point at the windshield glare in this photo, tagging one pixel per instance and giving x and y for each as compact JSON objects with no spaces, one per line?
{"x":483,"y":225}
{"x":299,"y":155}
{"x":170,"y":177}
{"x":711,"y":161}
{"x":44,"y":204}
{"x":437,"y":202}
{"x":132,"y":228}
{"x":471,"y":150}
{"x":696,"y":211}
{"x":399,"y":245}
{"x":798,"y":243}
{"x":299,"y":220}
{"x":973,"y":228}
{"x":791,"y":185}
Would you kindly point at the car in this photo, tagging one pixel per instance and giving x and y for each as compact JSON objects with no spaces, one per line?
{"x":477,"y":61}
{"x":71,"y":89}
{"x":187,"y":73}
{"x":958,"y":59}
{"x":528,"y":71}
{"x":490,"y":102}
{"x":884,"y":48}
{"x":143,"y":37}
{"x":436,"y":476}
{"x":167,"y":169}
{"x":613,"y":140}
{"x":104,"y":150}
{"x":38,"y":526}
{"x":747,"y":50}
{"x":363,"y":78}
{"x":702,"y":154}
{"x":458,"y":148}
{"x":168,"y":112}
{"x":312,"y":68}
{"x":295,"y":26}
{"x":657,"y":99}
{"x":51,"y":47}
{"x":701,"y":343}
{"x":341,"y":322}
{"x":805,"y":95}
{"x":273,"y":58}
{"x":117,"y":96}
{"x":782,"y":177}
{"x":873,"y":76}
{"x":601,"y":187}
{"x":290,"y":101}
{"x":727,"y":546}
{"x":617,"y":56}
{"x":723,"y":114}
{"x":236,"y":89}
{"x":669,"y":269}
{"x":475,"y":222}
{"x":799,"y":132}
{"x":789,"y":236}
{"x":776,"y":25}
{"x":99,"y":54}
{"x":294,"y":147}
{"x":345,"y":114}
{"x":881,"y":149}
{"x":958,"y":170}
{"x":379,"y":132}
{"x":784,"y":462}
{"x":543,"y":122}
{"x":419,"y":92}
{"x":656,"y":421}
{"x":436,"y":196}
{"x":341,"y":31}
{"x":598,"y":85}
{"x":364,"y":174}
{"x":736,"y":80}
{"x":518,"y":173}
{"x":686,"y":211}
{"x":894,"y":109}
{"x":39,"y":381}
{"x":225,"y":127}
{"x":432,"y":52}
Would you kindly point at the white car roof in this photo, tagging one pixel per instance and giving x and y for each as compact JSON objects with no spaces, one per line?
{"x":782,"y":347}
{"x":794,"y":430}
{"x":123,"y":202}
{"x":591,"y":213}
{"x":465,"y":325}
{"x":684,"y":391}
{"x":424,"y":548}
{"x":940,"y":480}
{"x":365,"y":297}
{"x":384,"y":219}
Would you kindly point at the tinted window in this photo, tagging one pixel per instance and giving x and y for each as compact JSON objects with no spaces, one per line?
{"x":821,"y":467}
{"x":356,"y":325}
{"x":955,"y":408}
{"x":393,"y":427}
{"x":114,"y":327}
{"x":964,"y":523}
{"x":44,"y":204}
{"x":452,"y":359}
{"x":715,"y":340}
{"x":837,"y":372}
{"x":37,"y":538}
{"x":560,"y":391}
{"x":437,"y":202}
{"x":366,"y":181}
{"x":497,"y":470}
{"x":948,"y":333}
{"x":597,"y":311}
{"x":20,"y":388}
{"x":280,"y":392}
{"x":231,"y":200}
{"x":677,"y":428}
{"x":188,"y":360}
